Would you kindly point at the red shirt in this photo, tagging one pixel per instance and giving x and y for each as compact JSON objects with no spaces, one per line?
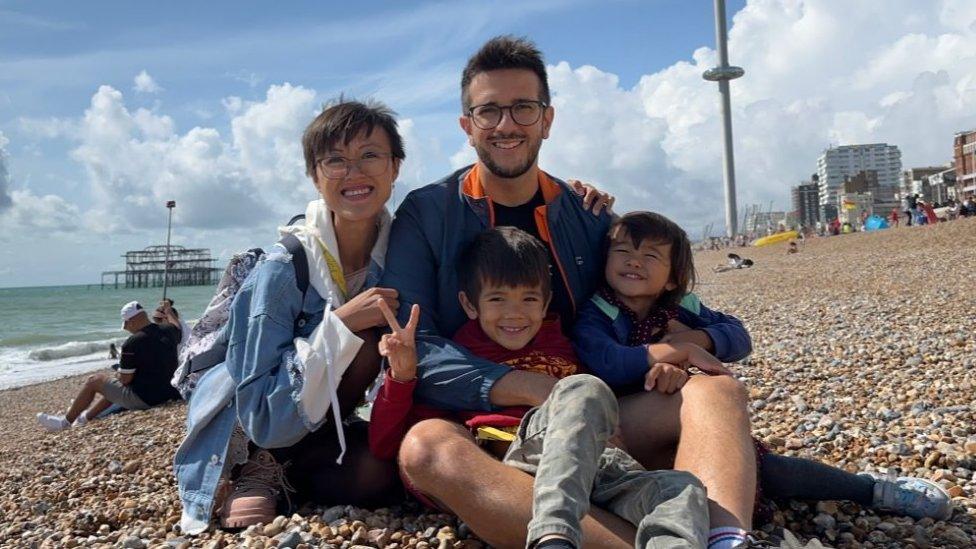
{"x":394,"y":411}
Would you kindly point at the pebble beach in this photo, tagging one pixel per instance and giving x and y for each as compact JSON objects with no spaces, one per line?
{"x":864,"y":358}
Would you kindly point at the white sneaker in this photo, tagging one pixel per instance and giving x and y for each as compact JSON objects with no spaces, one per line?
{"x":53,"y":423}
{"x":915,"y":497}
{"x":81,"y":419}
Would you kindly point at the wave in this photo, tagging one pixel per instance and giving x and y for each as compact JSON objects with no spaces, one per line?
{"x":72,"y":349}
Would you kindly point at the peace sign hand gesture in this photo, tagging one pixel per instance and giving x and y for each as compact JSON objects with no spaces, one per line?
{"x":399,"y":347}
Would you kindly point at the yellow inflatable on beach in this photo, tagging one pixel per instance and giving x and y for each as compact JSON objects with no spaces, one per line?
{"x":774,"y":238}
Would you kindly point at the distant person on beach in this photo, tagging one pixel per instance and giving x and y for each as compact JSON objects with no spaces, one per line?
{"x":895,"y":217}
{"x":968,"y":207}
{"x":141,"y":381}
{"x":735,"y":262}
{"x":113,"y":353}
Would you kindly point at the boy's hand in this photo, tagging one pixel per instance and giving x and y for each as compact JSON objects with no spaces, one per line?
{"x":686,"y":355}
{"x":399,"y":347}
{"x":666,"y":378}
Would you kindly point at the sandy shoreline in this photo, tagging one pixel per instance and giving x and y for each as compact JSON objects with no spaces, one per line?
{"x":864,"y":357}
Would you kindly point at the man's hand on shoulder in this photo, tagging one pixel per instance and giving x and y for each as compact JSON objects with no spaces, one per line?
{"x":593,"y":198}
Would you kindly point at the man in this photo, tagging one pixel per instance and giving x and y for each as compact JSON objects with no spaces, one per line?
{"x":506,"y":116}
{"x":141,"y":381}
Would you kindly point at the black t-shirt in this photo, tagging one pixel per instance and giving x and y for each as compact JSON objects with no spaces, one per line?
{"x":150,"y":355}
{"x":523,"y":217}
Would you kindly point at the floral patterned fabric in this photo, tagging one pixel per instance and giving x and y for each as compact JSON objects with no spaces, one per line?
{"x":206,"y":330}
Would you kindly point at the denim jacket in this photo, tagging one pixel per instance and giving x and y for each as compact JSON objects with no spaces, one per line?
{"x":266,"y":381}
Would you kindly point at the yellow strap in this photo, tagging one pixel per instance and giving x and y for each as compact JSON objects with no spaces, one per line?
{"x":494,"y":433}
{"x":335,"y":271}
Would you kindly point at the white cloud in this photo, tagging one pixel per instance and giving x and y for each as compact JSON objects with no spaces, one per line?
{"x":21,"y":210}
{"x":145,"y":83}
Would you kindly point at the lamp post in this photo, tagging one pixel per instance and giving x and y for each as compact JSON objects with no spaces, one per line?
{"x":722,"y":74}
{"x":170,"y":204}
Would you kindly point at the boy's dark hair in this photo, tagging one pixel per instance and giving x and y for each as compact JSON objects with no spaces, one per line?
{"x":503,"y":256}
{"x":641,"y":226}
{"x":505,"y":52}
{"x":343,"y":120}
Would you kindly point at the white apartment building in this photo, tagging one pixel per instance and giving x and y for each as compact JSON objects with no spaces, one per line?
{"x":848,"y":160}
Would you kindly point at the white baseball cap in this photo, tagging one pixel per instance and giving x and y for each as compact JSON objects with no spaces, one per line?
{"x":129,"y":311}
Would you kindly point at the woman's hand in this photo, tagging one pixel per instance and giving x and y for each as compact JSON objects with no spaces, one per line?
{"x":399,"y":347}
{"x":666,"y":378}
{"x":593,"y":197}
{"x":363,"y":311}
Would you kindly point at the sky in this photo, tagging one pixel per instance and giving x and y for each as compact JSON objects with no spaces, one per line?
{"x":109,"y":109}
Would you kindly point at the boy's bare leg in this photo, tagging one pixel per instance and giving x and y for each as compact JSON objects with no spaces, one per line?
{"x":442,"y":460}
{"x":710,"y":418}
{"x":85,"y":396}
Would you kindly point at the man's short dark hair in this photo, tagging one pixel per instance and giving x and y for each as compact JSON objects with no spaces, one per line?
{"x":343,"y":120}
{"x":503,"y":256}
{"x":505,"y":52}
{"x":654,"y":227}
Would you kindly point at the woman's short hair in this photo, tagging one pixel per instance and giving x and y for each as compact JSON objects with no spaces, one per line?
{"x":341,"y":121}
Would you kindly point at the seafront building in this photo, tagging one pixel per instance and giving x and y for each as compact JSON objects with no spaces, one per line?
{"x":806,"y":202}
{"x":964,"y":160}
{"x":839,"y":164}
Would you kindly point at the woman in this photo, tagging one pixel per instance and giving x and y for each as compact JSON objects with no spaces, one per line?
{"x":282,"y":378}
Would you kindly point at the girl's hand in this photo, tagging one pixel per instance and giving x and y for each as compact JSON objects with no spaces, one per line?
{"x":400,"y":347}
{"x":666,"y":378}
{"x":686,"y":355}
{"x":363,"y":311}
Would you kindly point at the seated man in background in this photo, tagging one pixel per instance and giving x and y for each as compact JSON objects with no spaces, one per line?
{"x":147,"y":364}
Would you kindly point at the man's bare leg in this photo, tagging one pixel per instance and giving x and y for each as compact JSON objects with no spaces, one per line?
{"x":709,"y":422}
{"x":100,"y":405}
{"x":85,"y":396}
{"x":442,"y":460}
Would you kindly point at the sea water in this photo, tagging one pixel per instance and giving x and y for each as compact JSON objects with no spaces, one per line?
{"x":56,"y":331}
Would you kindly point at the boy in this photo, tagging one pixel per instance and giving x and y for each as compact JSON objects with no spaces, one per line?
{"x":565,"y":443}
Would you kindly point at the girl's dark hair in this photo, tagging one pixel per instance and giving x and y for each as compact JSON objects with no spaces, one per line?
{"x":505,"y":52}
{"x":503,"y":256}
{"x":641,"y":226}
{"x":343,"y":120}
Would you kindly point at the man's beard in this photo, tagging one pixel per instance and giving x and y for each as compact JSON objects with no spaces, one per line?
{"x":484,"y":155}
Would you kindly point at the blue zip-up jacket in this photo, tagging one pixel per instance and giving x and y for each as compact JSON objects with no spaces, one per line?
{"x":601,"y":331}
{"x":430,"y":229}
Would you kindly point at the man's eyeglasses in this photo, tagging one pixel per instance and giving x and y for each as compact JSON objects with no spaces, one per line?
{"x":371,"y":164}
{"x":523,"y":113}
